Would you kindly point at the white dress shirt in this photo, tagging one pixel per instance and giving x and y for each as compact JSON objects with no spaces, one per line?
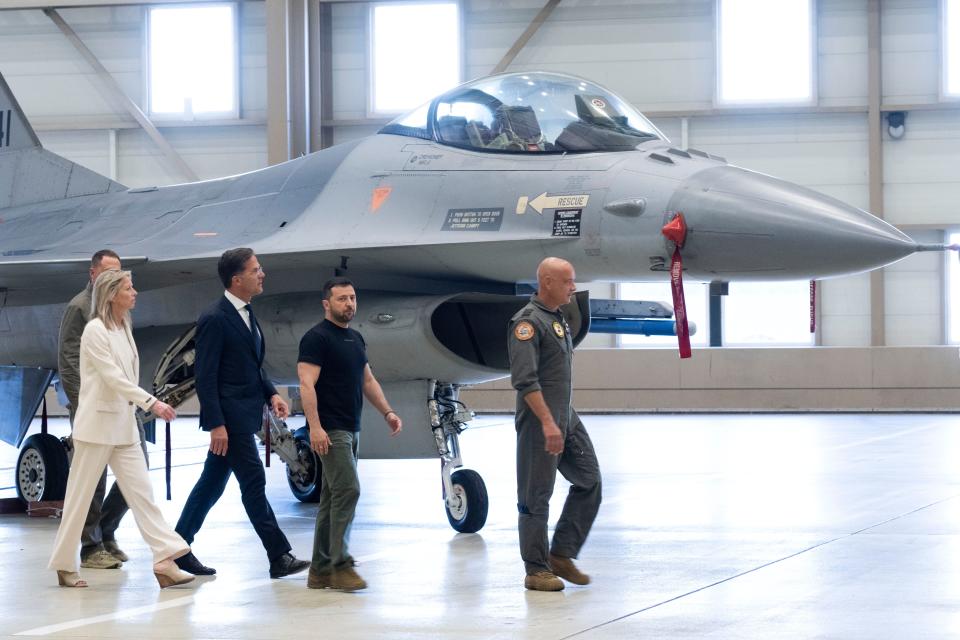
{"x":241,"y":307}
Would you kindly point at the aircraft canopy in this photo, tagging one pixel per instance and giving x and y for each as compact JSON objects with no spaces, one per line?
{"x":533,"y":112}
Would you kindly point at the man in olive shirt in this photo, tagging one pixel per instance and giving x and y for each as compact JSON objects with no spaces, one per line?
{"x":550,"y":436}
{"x":334,"y":378}
{"x":99,"y":547}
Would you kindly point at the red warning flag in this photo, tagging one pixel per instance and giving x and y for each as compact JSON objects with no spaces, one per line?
{"x":676,"y":231}
{"x":679,"y":305}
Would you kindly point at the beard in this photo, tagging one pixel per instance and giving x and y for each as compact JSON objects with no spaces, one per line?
{"x":343,"y":317}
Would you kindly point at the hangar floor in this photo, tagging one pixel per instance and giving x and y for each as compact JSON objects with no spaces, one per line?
{"x":713,"y":526}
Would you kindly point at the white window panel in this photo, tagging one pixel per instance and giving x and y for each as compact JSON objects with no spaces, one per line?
{"x":951,"y":48}
{"x":192,"y":58}
{"x":767,"y":313}
{"x":953,"y":291}
{"x":765,"y":52}
{"x":695,"y":294}
{"x":414,"y":53}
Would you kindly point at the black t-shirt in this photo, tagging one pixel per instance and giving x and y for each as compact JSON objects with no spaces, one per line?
{"x":341,"y":355}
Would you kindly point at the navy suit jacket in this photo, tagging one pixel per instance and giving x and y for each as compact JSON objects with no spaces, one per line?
{"x":231,"y":385}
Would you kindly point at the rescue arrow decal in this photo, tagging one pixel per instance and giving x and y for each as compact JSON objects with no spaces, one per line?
{"x":543,"y":201}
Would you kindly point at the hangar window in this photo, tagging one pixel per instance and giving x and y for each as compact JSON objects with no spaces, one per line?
{"x":192,"y":61}
{"x":767,"y":313}
{"x":414,"y":53}
{"x":765,"y":52}
{"x":696,"y":296}
{"x":951,"y":48}
{"x":953,"y":291}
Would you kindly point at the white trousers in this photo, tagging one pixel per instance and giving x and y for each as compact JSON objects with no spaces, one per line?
{"x":130,"y":470}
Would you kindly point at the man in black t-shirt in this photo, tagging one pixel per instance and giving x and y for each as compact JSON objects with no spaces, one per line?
{"x":334,"y":377}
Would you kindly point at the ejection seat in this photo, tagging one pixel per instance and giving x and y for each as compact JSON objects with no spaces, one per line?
{"x":457,"y":130}
{"x":516,"y":129}
{"x":453,"y":130}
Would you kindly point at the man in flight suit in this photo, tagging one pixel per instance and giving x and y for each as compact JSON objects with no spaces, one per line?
{"x":550,"y":436}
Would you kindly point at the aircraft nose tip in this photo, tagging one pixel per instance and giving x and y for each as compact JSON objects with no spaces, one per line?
{"x":749,"y":225}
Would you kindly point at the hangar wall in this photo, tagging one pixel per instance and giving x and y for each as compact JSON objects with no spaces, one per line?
{"x":732,"y":379}
{"x":659,"y":54}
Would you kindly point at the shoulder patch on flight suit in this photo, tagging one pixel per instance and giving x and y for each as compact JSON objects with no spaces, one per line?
{"x":524,"y":330}
{"x":558,"y":329}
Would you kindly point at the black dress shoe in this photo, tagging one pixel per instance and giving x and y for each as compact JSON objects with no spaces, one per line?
{"x":190,"y":564}
{"x":287,"y":565}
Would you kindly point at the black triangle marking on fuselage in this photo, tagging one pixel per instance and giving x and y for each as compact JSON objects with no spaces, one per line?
{"x":5,"y":129}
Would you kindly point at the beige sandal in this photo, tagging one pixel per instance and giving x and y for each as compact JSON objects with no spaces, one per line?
{"x":70,"y":579}
{"x":169,"y":575}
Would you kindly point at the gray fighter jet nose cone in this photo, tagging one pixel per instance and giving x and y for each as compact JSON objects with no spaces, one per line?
{"x":749,"y":225}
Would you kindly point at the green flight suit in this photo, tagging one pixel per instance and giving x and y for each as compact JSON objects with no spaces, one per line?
{"x":541,"y":357}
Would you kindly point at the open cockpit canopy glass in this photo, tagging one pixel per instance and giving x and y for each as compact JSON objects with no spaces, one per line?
{"x":533,"y":112}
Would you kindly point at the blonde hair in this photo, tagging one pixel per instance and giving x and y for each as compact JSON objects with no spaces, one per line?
{"x":105,"y":289}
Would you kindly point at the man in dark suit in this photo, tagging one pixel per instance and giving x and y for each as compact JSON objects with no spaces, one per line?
{"x":232,"y":390}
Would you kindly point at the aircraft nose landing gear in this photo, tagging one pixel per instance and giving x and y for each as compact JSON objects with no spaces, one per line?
{"x":464,"y":492}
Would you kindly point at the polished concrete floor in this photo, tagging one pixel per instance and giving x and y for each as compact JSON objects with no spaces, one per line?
{"x":731,"y":526}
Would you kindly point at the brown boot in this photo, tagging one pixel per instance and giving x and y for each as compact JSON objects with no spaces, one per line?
{"x":543,"y":581}
{"x":319,"y":580}
{"x":565,"y":568}
{"x":347,"y":579}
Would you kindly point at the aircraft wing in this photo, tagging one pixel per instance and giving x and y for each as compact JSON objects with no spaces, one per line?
{"x":46,"y":281}
{"x":27,"y":282}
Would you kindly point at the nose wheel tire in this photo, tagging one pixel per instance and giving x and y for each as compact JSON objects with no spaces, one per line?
{"x":468,"y":513}
{"x":42,"y":469}
{"x":306,"y":487}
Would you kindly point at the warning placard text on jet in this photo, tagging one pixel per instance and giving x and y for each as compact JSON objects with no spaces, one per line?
{"x":566,"y":223}
{"x":473,"y":220}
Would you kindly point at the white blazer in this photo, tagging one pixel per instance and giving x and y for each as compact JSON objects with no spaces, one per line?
{"x":109,"y":376}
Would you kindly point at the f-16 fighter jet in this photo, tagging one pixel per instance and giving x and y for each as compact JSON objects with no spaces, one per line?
{"x":438,"y":219}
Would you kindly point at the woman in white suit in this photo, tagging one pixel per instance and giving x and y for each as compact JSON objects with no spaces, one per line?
{"x":105,"y":432}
